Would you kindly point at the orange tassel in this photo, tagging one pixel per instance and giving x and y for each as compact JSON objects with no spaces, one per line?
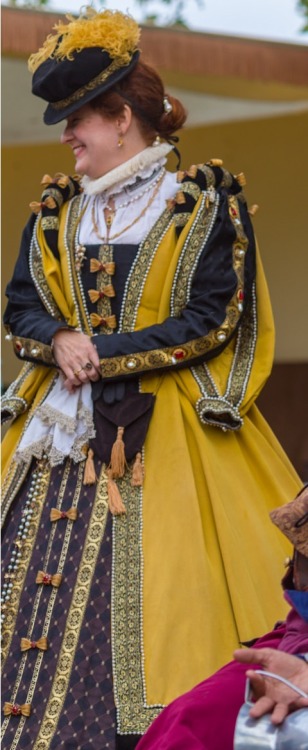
{"x":35,"y":207}
{"x":115,"y":502}
{"x":118,"y":460}
{"x":138,"y":472}
{"x":89,"y":476}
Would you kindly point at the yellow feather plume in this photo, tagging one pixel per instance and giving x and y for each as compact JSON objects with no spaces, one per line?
{"x":113,"y":31}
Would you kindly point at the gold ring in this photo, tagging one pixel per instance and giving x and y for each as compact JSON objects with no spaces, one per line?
{"x":88,"y":366}
{"x":76,"y":372}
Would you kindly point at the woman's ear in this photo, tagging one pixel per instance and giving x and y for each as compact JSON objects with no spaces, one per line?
{"x":124,"y":119}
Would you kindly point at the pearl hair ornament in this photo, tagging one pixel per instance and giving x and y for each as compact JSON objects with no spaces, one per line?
{"x":167,"y":105}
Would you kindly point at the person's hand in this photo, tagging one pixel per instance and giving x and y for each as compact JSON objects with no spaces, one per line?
{"x":271,"y":695}
{"x":77,"y":357}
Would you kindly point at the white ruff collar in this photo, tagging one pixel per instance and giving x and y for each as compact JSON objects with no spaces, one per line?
{"x":128,"y":169}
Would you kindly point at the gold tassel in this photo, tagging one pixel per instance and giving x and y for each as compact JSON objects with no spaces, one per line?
{"x":95,"y":295}
{"x":138,"y":472}
{"x":241,"y":179}
{"x":215,"y":163}
{"x":180,"y":197}
{"x":97,"y":320}
{"x":89,"y":476}
{"x":97,"y":265}
{"x":115,"y":502}
{"x":253,"y":209}
{"x":117,"y":459}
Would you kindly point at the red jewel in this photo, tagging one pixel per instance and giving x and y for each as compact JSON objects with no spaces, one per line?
{"x":33,"y":644}
{"x":63,"y":514}
{"x":47,"y":579}
{"x":240,"y":295}
{"x":16,"y":709}
{"x":179,"y":354}
{"x":18,"y":345}
{"x":233,"y":211}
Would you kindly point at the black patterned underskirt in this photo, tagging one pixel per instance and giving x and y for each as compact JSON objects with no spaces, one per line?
{"x":70,"y":689}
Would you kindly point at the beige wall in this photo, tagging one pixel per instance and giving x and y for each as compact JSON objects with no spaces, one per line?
{"x":273,"y":155}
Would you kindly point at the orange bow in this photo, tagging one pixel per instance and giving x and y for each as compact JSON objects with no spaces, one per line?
{"x":97,"y":265}
{"x":107,"y":291}
{"x":48,"y":580}
{"x":96,"y":320}
{"x":56,"y":514}
{"x":41,"y":644}
{"x":16,"y":710}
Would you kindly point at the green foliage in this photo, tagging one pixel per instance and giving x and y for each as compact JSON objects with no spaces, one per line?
{"x":302,"y":6}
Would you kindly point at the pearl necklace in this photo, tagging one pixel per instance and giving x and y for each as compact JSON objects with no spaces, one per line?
{"x":150,"y":184}
{"x":110,"y":218}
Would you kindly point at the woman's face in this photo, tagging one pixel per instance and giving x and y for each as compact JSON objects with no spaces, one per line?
{"x":94,"y":141}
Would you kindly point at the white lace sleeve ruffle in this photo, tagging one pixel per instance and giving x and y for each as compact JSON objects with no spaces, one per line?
{"x":60,"y":427}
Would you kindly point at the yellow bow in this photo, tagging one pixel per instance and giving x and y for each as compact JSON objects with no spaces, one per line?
{"x":97,"y":320}
{"x":97,"y":265}
{"x":26,"y":644}
{"x":16,"y":710}
{"x":56,"y":514}
{"x":48,"y":579}
{"x":95,"y":295}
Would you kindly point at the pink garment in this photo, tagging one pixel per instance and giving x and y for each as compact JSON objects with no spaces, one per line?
{"x":204,"y":718}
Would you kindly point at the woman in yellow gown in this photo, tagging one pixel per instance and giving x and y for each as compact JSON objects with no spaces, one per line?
{"x":138,"y":472}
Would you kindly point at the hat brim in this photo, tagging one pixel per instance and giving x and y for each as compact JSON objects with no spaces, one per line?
{"x":58,"y":111}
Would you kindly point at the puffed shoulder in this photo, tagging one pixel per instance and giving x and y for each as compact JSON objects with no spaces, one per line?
{"x":205,"y":178}
{"x":56,"y":191}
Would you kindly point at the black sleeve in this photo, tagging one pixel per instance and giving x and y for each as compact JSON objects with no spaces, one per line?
{"x":221,"y":288}
{"x":29,"y":323}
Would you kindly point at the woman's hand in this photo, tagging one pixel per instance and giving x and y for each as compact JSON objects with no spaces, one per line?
{"x":77,"y":357}
{"x":271,"y":695}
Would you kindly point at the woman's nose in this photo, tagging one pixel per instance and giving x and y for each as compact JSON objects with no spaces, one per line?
{"x":66,"y":135}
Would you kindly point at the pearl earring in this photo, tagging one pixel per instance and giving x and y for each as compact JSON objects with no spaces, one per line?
{"x":120,"y":142}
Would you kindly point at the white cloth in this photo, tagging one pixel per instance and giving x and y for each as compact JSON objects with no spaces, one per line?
{"x":60,"y":427}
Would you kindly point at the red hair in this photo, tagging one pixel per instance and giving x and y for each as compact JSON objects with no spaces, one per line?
{"x":143,"y":90}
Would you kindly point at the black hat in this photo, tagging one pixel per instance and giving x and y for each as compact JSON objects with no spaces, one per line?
{"x":85,"y":58}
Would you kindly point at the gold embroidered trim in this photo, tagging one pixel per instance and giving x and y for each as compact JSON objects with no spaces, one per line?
{"x":75,"y":616}
{"x":90,"y":86}
{"x":103,"y":279}
{"x":35,"y":349}
{"x":139,"y":273}
{"x":53,"y":593}
{"x":50,"y":222}
{"x":26,"y":550}
{"x":224,"y":410}
{"x":191,"y":188}
{"x":38,"y":276}
{"x":133,"y":715}
{"x":74,"y":215}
